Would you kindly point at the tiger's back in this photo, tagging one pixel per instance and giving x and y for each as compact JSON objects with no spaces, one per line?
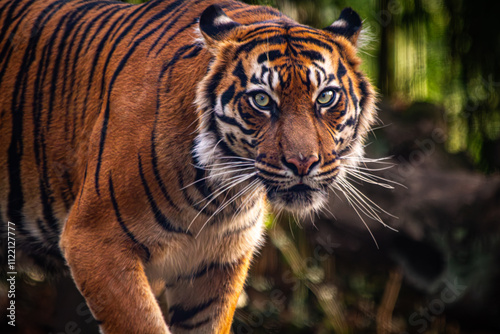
{"x":140,"y":144}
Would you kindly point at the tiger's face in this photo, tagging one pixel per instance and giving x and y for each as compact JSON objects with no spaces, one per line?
{"x":286,"y":102}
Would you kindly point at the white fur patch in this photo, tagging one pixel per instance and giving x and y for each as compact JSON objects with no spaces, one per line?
{"x":198,"y":36}
{"x":221,"y":20}
{"x":339,"y":24}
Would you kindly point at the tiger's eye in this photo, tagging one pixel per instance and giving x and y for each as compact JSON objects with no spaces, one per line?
{"x":262,"y":100}
{"x":325,"y":97}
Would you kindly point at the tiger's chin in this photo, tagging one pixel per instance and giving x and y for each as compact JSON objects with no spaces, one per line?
{"x":299,"y":199}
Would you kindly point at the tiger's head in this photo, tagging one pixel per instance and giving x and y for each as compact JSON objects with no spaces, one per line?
{"x":284,"y":105}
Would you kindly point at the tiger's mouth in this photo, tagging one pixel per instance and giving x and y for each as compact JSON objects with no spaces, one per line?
{"x":299,"y":198}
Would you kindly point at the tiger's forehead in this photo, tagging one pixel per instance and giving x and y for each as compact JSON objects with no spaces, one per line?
{"x":277,"y":56}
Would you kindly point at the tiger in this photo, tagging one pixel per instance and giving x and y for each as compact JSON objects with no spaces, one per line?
{"x":142,"y":146}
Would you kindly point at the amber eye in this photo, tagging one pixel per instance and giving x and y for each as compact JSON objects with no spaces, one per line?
{"x":262,"y":100}
{"x":326,"y":97}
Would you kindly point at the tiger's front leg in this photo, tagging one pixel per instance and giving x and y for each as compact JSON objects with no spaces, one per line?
{"x":205,"y":300}
{"x":109,"y":273}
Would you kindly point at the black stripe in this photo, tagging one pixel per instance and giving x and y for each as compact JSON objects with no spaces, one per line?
{"x":154,"y":161}
{"x":245,"y":116}
{"x":341,"y":70}
{"x":247,"y":226}
{"x":105,"y":15}
{"x":363,"y":87}
{"x":159,"y":216}
{"x":211,"y":90}
{"x":239,"y":72}
{"x":8,"y":48}
{"x":270,"y":173}
{"x":194,"y":52}
{"x":68,"y":195}
{"x":187,"y":26}
{"x":158,"y":16}
{"x":45,"y":234}
{"x":124,"y":227}
{"x":230,"y":138}
{"x":354,"y":98}
{"x":193,"y":326}
{"x":10,"y":17}
{"x":312,"y":55}
{"x":205,"y":210}
{"x":46,"y":192}
{"x":178,"y":56}
{"x":100,"y":47}
{"x":333,"y":170}
{"x":72,"y":18}
{"x":200,"y":179}
{"x":105,"y":21}
{"x":168,"y":9}
{"x":181,"y":314}
{"x":269,"y":56}
{"x":82,"y":184}
{"x":270,"y":29}
{"x":364,"y":94}
{"x":202,"y":271}
{"x":227,"y":96}
{"x":232,"y":121}
{"x":269,"y":165}
{"x":328,"y":163}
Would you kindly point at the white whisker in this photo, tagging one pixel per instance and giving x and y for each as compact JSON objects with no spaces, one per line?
{"x":368,"y":169}
{"x":238,"y":158}
{"x":217,"y":174}
{"x":367,"y":179}
{"x":370,"y":203}
{"x":366,"y":225}
{"x":372,"y":178}
{"x":226,"y":187}
{"x":255,"y":190}
{"x":234,"y":163}
{"x":222,"y":207}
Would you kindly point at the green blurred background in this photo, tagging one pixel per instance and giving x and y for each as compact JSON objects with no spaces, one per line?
{"x":436,"y":66}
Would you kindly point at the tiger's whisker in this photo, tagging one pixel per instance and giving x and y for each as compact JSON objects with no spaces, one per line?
{"x":365,"y":208}
{"x":254,"y":191}
{"x":240,"y":193}
{"x":366,"y":225}
{"x":367,"y":180}
{"x":360,"y":195}
{"x":224,"y":164}
{"x":228,"y":182}
{"x":214,"y":196}
{"x":369,"y":176}
{"x":217,"y":174}
{"x":239,"y":158}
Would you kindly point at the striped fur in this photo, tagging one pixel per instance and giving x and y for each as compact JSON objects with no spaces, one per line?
{"x":134,"y":152}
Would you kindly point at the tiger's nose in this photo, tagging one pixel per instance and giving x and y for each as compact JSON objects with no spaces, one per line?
{"x":301,"y":165}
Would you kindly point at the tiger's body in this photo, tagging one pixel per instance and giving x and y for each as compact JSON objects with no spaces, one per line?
{"x":138,"y":149}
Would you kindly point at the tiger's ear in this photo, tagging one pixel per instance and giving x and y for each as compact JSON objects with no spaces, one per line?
{"x":348,"y":25}
{"x":215,"y":25}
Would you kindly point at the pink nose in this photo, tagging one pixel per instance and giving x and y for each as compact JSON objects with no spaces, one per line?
{"x":301,"y":166}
